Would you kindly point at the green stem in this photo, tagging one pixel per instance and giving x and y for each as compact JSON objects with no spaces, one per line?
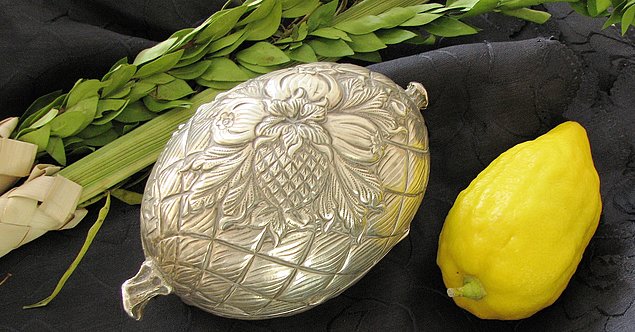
{"x":472,"y":288}
{"x":92,"y":232}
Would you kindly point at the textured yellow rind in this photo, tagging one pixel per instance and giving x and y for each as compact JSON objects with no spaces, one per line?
{"x":522,"y":225}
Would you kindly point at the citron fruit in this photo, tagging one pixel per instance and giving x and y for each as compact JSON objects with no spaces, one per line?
{"x":515,"y":235}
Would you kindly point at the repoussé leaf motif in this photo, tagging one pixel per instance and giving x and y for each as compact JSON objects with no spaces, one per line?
{"x":215,"y":166}
{"x":340,"y":204}
{"x":370,"y":102}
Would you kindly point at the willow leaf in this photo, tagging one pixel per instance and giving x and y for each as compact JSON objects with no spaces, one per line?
{"x":511,"y":4}
{"x":195,"y":35}
{"x":615,"y":18}
{"x":127,"y":127}
{"x":80,"y":150}
{"x":422,"y":40}
{"x":69,"y":141}
{"x":121,"y":61}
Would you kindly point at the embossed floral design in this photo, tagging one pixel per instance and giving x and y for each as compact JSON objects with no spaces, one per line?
{"x":295,"y":121}
{"x":225,"y":121}
{"x":234,"y":120}
{"x":303,"y":156}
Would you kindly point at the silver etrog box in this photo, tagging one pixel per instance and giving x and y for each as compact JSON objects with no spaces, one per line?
{"x":282,"y":192}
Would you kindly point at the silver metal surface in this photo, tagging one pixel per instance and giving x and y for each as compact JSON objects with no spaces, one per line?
{"x":283,"y":192}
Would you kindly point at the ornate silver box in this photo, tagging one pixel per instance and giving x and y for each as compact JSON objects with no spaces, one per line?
{"x":282,"y":192}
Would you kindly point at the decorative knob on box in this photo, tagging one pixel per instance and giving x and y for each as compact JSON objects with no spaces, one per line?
{"x":282,"y":192}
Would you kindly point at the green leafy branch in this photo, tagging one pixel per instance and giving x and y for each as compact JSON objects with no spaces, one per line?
{"x":239,"y":43}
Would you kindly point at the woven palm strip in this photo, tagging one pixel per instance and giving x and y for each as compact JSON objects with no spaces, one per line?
{"x":44,"y":202}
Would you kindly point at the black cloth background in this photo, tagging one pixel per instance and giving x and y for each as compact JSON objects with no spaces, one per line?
{"x":512,"y":82}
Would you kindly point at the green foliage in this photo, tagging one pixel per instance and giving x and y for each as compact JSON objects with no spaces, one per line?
{"x":263,"y":54}
{"x":255,"y":38}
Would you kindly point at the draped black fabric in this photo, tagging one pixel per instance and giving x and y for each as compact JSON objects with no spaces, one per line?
{"x":510,"y":83}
